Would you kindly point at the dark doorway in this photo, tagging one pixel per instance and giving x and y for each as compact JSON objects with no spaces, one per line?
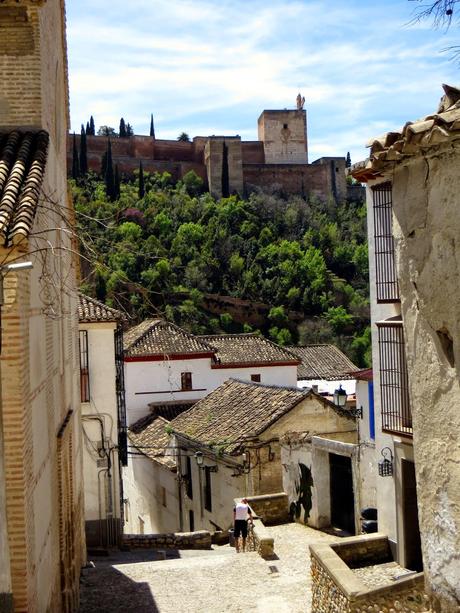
{"x":342,"y":498}
{"x":191,"y":520}
{"x":412,"y":545}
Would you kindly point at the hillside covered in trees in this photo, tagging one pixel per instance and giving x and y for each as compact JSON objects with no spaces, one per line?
{"x":155,"y":248}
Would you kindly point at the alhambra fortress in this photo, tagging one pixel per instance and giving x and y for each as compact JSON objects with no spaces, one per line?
{"x":277,"y":161}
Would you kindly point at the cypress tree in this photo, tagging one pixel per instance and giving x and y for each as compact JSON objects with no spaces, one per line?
{"x":129,"y":130}
{"x":87,"y":129}
{"x":75,"y":164}
{"x":225,"y":178}
{"x":116,"y":183}
{"x":141,"y":181}
{"x":122,"y":130}
{"x":152,"y":129}
{"x":109,"y":177}
{"x":83,"y":152}
{"x":92,"y":127}
{"x":348,"y":160}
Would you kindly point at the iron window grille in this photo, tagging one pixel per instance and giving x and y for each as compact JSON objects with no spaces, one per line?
{"x":394,"y":383}
{"x":84,"y":366}
{"x":385,"y":266}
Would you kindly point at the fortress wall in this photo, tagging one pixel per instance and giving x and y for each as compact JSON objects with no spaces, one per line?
{"x":305,"y":179}
{"x":172,"y":150}
{"x":253,"y":152}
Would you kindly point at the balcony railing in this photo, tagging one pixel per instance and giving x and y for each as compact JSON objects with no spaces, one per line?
{"x":394,"y":384}
{"x":385,"y":268}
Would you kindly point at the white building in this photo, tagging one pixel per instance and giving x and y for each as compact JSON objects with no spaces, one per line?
{"x":103,"y":420}
{"x":166,"y":366}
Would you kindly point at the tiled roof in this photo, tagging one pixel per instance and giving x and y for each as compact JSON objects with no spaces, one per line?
{"x":23,"y":157}
{"x":91,"y":310}
{"x":169,"y":410}
{"x":159,"y":337}
{"x":322,"y":362}
{"x":415,"y":137}
{"x":236,"y":411}
{"x":149,"y":436}
{"x":247,"y":349}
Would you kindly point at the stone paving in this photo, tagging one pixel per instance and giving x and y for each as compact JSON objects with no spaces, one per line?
{"x":379,"y":575}
{"x":217,"y":581}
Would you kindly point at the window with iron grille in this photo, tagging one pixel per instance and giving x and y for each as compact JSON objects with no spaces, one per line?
{"x":385,"y":266}
{"x":84,"y":366}
{"x":186,"y":380}
{"x":394,"y":384}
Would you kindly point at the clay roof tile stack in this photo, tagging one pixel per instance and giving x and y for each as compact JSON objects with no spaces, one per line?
{"x":23,"y":156}
{"x":415,"y":137}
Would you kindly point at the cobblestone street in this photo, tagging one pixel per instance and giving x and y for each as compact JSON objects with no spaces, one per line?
{"x":218,"y":581}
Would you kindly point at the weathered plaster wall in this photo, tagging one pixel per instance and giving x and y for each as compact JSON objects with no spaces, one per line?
{"x":151,"y":494}
{"x":426,"y":200}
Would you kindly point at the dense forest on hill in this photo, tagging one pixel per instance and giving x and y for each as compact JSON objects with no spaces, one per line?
{"x":155,"y":247}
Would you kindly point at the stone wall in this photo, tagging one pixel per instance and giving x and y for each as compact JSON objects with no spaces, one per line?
{"x":271,"y":508}
{"x":284,"y":135}
{"x":171,"y":540}
{"x":336,"y":589}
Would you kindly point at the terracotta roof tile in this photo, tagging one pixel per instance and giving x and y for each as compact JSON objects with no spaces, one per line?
{"x":247,"y":349}
{"x":322,"y":362}
{"x":149,"y":436}
{"x":23,"y":158}
{"x":236,"y":411}
{"x":92,"y":310}
{"x":159,"y":337}
{"x":416,"y":136}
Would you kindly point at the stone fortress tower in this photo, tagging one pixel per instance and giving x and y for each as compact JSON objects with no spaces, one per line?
{"x":284,"y":135}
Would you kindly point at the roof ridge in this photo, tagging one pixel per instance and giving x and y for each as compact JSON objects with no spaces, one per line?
{"x":102,"y":304}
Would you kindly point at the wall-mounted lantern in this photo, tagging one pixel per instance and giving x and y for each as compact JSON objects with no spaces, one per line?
{"x":199,"y":461}
{"x":340,"y":397}
{"x":386,"y":463}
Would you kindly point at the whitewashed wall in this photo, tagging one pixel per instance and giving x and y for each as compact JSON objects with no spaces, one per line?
{"x":160,"y":381}
{"x":143,"y":483}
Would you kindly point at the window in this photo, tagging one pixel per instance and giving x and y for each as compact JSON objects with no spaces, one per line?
{"x":191,"y":521}
{"x":394,"y":384}
{"x":84,"y":370}
{"x":207,"y":488}
{"x":186,"y":381}
{"x":188,"y":476}
{"x":385,"y":267}
{"x":163,"y":497}
{"x":255,"y":378}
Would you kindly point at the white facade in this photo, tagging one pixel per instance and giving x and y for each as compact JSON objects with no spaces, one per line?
{"x":150,"y":492}
{"x":329,"y":387}
{"x":155,"y":381}
{"x":100,"y":437}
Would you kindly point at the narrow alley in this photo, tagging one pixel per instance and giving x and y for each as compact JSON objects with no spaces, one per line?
{"x":214,"y":581}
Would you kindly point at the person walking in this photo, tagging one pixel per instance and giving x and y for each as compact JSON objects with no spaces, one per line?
{"x":241,"y":515}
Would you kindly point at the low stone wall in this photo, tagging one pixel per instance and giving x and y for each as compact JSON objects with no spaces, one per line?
{"x":335,"y":588}
{"x":172,"y":540}
{"x":271,"y":508}
{"x":264,"y":543}
{"x":364,"y":551}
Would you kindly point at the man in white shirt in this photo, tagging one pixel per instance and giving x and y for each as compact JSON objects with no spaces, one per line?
{"x":241,"y":515}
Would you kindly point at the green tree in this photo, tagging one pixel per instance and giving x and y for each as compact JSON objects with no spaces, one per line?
{"x":122,"y":129}
{"x":116,"y":181}
{"x":152,"y":128}
{"x":106,"y":131}
{"x":129,"y":130}
{"x":83,"y":152}
{"x":109,"y":175}
{"x":87,"y":129}
{"x":141,"y":191}
{"x":348,"y":160}
{"x":183,"y":137}
{"x":92,"y":128}
{"x":75,"y":162}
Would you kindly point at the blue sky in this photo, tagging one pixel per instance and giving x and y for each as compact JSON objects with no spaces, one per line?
{"x":212,"y":66}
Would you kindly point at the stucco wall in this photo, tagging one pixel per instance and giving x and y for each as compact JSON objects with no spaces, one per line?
{"x":143,"y":483}
{"x":160,"y":381}
{"x":427,"y":227}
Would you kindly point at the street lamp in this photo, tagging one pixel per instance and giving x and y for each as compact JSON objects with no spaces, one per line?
{"x":340,"y":397}
{"x":199,"y":458}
